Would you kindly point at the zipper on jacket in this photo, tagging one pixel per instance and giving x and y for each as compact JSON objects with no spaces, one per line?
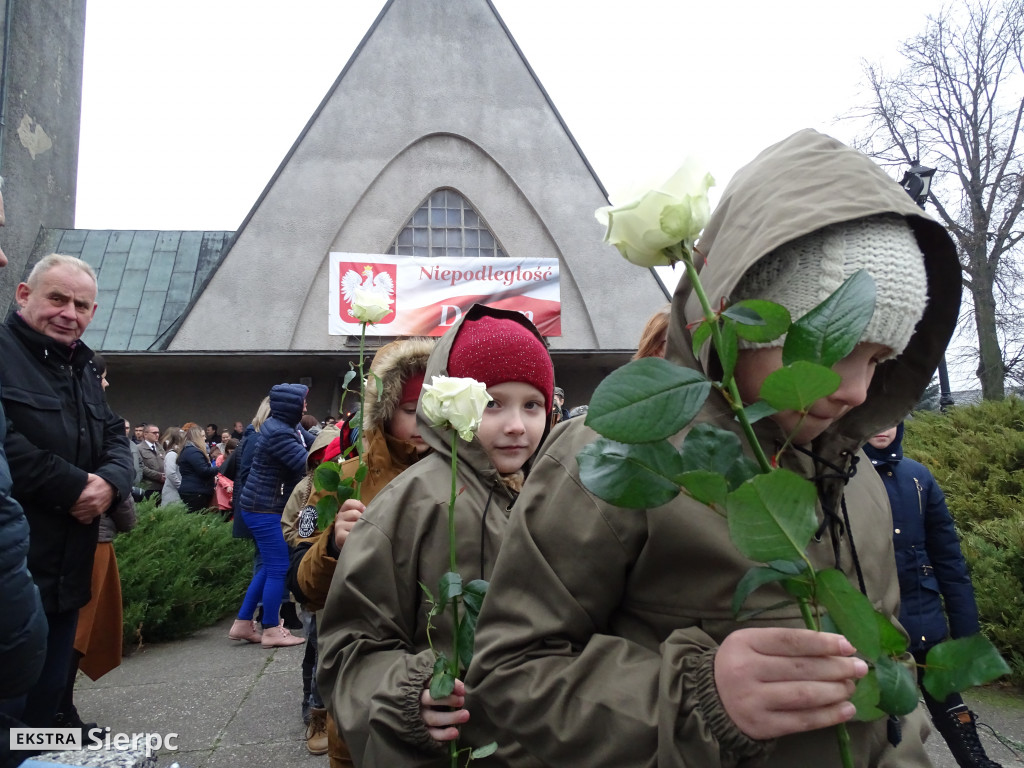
{"x":920,"y":506}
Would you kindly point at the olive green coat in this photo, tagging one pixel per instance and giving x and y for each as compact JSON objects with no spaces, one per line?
{"x":596,"y":643}
{"x":374,"y":654}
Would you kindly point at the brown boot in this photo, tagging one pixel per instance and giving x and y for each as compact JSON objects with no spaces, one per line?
{"x":279,"y":637}
{"x":337,"y":750}
{"x":316,"y":732}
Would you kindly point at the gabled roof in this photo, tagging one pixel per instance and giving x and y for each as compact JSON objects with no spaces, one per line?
{"x":145,"y":279}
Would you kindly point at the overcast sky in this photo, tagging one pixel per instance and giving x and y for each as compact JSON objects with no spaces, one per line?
{"x":189,"y":107}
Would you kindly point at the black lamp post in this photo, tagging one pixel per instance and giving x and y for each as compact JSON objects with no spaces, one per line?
{"x":918,"y":182}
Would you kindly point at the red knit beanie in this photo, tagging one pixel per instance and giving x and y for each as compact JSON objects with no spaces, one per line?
{"x":494,"y":350}
{"x":411,"y":388}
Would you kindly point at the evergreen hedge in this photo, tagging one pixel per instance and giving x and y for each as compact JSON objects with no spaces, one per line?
{"x":977,"y":456}
{"x":179,"y":572}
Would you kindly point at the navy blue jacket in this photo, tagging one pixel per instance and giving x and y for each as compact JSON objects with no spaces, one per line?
{"x":196,"y":471}
{"x":22,"y":621}
{"x":279,"y":456}
{"x":930,"y":564}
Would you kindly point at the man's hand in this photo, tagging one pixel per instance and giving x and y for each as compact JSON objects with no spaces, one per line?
{"x":345,"y":520}
{"x":95,"y":499}
{"x":774,"y":681}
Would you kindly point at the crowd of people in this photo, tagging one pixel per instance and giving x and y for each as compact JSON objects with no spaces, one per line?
{"x":606,"y":636}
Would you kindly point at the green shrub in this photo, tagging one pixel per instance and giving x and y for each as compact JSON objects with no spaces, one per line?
{"x":179,"y":572}
{"x":977,"y":456}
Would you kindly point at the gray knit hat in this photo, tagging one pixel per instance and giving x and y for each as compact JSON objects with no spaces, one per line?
{"x":804,"y":272}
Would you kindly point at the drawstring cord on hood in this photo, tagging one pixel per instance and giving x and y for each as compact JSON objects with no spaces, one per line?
{"x":830,"y":518}
{"x":483,"y":529}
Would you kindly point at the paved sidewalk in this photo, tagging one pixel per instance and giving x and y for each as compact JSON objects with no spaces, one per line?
{"x":236,"y":704}
{"x":232,"y":704}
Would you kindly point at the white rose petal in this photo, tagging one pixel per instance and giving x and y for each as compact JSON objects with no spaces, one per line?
{"x":370,"y":306}
{"x":455,"y":403}
{"x":672,"y":213}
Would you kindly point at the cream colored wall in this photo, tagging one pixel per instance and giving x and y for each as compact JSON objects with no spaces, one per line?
{"x":437,"y":96}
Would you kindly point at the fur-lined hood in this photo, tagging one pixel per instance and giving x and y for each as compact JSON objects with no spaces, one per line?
{"x":393,"y":364}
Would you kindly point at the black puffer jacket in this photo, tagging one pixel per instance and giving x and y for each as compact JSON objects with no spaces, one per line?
{"x":22,"y":623}
{"x":60,"y":430}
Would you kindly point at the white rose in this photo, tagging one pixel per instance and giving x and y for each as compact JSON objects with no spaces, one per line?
{"x":455,"y":403}
{"x":370,"y":306}
{"x":674,"y":212}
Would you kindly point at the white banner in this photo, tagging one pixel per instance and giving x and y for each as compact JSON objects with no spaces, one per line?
{"x":430,"y":294}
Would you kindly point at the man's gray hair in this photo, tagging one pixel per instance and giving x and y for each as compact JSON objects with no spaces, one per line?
{"x":47,"y":263}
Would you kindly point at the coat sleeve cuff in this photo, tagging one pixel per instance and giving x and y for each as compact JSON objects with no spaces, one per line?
{"x":700,"y":669}
{"x":409,"y":697}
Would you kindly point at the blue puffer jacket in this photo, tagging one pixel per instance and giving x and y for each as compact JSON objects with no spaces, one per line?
{"x":22,"y":622}
{"x":928,"y":557}
{"x":279,"y":456}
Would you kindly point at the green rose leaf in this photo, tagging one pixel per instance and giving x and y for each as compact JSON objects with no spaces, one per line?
{"x":706,"y":487}
{"x":485,"y":751}
{"x":361,"y":472}
{"x":772,"y":517}
{"x":756,"y":577}
{"x":729,"y":348}
{"x":800,"y":588}
{"x":473,"y":595}
{"x":851,"y":611}
{"x":701,"y":334}
{"x":897,"y":689}
{"x":831,"y":330}
{"x":466,"y":639}
{"x":380,"y":384}
{"x":772,"y":320}
{"x":796,"y":387}
{"x":865,"y":698}
{"x":346,"y":490}
{"x":710,"y":449}
{"x":956,"y":665}
{"x":347,"y":380}
{"x":894,"y":643}
{"x":646,"y":400}
{"x":759,"y":410}
{"x":326,"y":510}
{"x":442,"y":681}
{"x":449,"y":586}
{"x":631,"y":476}
{"x":326,"y":477}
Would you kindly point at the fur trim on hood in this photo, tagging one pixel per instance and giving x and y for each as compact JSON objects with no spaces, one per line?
{"x":393,"y":364}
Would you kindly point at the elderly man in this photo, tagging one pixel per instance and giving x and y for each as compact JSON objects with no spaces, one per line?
{"x":22,"y":623}
{"x":67,"y":451}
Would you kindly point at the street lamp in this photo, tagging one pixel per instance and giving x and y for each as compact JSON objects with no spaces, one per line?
{"x":918,"y":182}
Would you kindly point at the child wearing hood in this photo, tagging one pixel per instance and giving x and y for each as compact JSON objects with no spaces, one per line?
{"x":623,"y":649}
{"x":936,"y":594}
{"x":392,"y":444}
{"x":375,"y":657}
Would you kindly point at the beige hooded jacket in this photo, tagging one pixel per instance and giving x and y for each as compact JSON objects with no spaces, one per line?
{"x":374,"y":655}
{"x":597,"y":641}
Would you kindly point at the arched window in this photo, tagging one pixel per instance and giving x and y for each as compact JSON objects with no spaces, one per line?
{"x":445,"y":225}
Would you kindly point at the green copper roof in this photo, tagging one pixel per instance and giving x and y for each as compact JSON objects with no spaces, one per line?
{"x":145,"y":279}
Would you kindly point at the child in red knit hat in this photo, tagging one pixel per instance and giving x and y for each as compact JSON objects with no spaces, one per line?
{"x":375,"y":655}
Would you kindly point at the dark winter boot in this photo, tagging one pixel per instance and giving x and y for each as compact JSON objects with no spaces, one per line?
{"x":961,"y":735}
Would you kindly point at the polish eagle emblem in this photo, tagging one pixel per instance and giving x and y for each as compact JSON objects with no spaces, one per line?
{"x":352,"y":281}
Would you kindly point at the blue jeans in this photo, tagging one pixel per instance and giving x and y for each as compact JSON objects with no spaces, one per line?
{"x":268,"y":583}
